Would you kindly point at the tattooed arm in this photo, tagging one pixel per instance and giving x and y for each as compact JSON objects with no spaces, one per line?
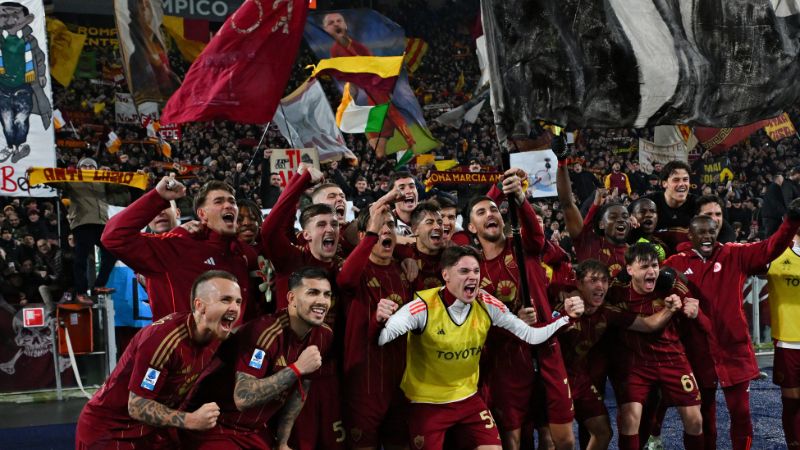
{"x":289,"y":413}
{"x":251,"y":391}
{"x":153,"y":413}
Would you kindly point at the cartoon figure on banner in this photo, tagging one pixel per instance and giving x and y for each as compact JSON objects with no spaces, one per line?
{"x":23,"y":76}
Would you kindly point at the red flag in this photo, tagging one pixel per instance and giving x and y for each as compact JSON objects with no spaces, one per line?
{"x":717,"y":140}
{"x":242,"y":73}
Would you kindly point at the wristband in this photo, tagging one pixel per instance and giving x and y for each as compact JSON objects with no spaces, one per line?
{"x":564,"y":162}
{"x":299,"y":382}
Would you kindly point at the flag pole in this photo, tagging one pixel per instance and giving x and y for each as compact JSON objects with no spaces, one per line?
{"x":263,"y":135}
{"x":519,"y":253}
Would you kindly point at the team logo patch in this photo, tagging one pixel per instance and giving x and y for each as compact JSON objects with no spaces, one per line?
{"x":257,"y":360}
{"x":356,"y":434}
{"x":717,"y":267}
{"x":150,"y":379}
{"x":419,"y":441}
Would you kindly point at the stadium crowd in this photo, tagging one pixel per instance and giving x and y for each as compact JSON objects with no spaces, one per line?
{"x":43,"y":250}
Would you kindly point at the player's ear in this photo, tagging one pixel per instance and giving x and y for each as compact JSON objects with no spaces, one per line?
{"x":290,"y":296}
{"x":306,"y":236}
{"x":472,"y":228}
{"x":628,"y":269}
{"x":202,"y":215}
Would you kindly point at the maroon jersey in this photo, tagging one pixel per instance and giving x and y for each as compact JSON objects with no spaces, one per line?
{"x":378,"y":370}
{"x":430,"y":274}
{"x":265,"y":347}
{"x":717,"y":282}
{"x":582,"y":335}
{"x":661,"y":348}
{"x":287,"y":257}
{"x":589,"y":245}
{"x":162,"y":363}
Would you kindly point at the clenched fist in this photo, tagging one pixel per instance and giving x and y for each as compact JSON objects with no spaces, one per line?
{"x":386,"y":308}
{"x":574,"y":307}
{"x":309,"y":361}
{"x":673,"y":303}
{"x":204,"y":418}
{"x":691,"y":307}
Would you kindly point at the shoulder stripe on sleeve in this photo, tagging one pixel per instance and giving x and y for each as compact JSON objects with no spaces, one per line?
{"x":164,"y":342}
{"x":268,"y":335}
{"x":490,"y":300}
{"x":167,"y":350}
{"x":417,"y":306}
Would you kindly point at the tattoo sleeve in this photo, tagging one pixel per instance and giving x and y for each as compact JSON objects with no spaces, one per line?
{"x":251,"y":391}
{"x":289,"y":413}
{"x":153,"y":413}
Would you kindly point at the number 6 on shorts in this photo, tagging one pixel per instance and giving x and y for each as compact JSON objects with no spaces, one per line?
{"x":688,"y":382}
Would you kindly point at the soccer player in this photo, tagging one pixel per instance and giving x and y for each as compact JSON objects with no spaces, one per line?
{"x":375,"y":408}
{"x":510,"y":394}
{"x":449,"y":214}
{"x":783,"y":279}
{"x":657,"y":359}
{"x":579,"y":339}
{"x":271,"y":372}
{"x":426,"y":224}
{"x":406,"y":185}
{"x":716,"y":273}
{"x":158,"y":369}
{"x":602,"y":233}
{"x":712,"y":206}
{"x":676,"y":205}
{"x":320,"y":419}
{"x":645,"y":215}
{"x":170,"y":261}
{"x":442,"y":358}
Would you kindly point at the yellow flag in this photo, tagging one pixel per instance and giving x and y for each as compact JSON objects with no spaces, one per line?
{"x":65,"y":50}
{"x":460,"y":83}
{"x":43,"y":175}
{"x":445,"y":164}
{"x":189,"y":49}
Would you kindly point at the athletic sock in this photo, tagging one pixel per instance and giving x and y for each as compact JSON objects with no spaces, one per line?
{"x":790,"y":417}
{"x":693,"y":442}
{"x":628,"y":442}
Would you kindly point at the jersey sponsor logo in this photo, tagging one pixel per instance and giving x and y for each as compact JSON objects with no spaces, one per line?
{"x":792,"y":281}
{"x":281,"y":362}
{"x":441,"y":331}
{"x":210,"y":262}
{"x":717,"y":267}
{"x":787,"y":262}
{"x":374,"y":283}
{"x":459,"y":354}
{"x":688,"y":271}
{"x":257,"y":360}
{"x":150,"y":379}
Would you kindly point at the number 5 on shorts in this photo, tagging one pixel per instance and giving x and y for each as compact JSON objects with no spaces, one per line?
{"x":338,"y":428}
{"x":487,"y":416}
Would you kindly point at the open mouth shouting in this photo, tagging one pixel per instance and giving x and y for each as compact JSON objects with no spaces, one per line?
{"x":706,"y":247}
{"x":650,"y":282}
{"x":492,"y":224}
{"x":470,"y":290}
{"x":328,"y":244}
{"x":436,"y":237}
{"x":446,"y":232}
{"x":341,"y":209}
{"x":387,"y":243}
{"x":409,"y":201}
{"x":226,"y":323}
{"x":317,"y":312}
{"x":229,"y":219}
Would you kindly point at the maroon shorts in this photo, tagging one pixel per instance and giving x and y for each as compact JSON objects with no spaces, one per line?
{"x":373,"y":419}
{"x":511,"y":382}
{"x":786,"y":367}
{"x":469,"y":419}
{"x":91,"y":435}
{"x":554,"y":378}
{"x":587,"y":397}
{"x":677,"y":384}
{"x":223,"y":438}
{"x":319,"y":424}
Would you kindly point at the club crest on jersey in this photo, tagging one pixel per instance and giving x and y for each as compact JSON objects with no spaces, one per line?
{"x":150,"y":379}
{"x":717,"y":267}
{"x":257,"y":360}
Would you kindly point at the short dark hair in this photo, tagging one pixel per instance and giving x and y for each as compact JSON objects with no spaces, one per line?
{"x":422,"y":208}
{"x":641,"y":251}
{"x":444,"y":202}
{"x":700,"y":218}
{"x":314,"y":210}
{"x":591,"y":266}
{"x":465,"y":215}
{"x":671,"y":167}
{"x":705,"y":200}
{"x":208,"y":276}
{"x":601,"y":212}
{"x":399,"y":175}
{"x":363,"y":220}
{"x":451,"y":255}
{"x":252,"y":207}
{"x":213,"y":185}
{"x":638,"y":202}
{"x":322,"y":186}
{"x":360,"y":178}
{"x":307,"y":272}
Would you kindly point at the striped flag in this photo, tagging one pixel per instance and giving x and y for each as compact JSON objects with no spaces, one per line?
{"x":372,"y":73}
{"x":416,"y":48}
{"x":352,"y":118}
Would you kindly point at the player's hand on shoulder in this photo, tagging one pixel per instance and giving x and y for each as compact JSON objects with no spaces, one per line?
{"x":192,"y":226}
{"x":410,"y":268}
{"x":204,"y":418}
{"x":309,"y":360}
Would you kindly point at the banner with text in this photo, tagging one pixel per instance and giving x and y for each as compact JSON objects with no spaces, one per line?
{"x":41,"y":175}
{"x":284,"y":161}
{"x":650,"y":154}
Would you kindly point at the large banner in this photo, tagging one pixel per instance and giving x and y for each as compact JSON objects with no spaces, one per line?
{"x":650,"y":153}
{"x":144,"y":50}
{"x":363,"y":32}
{"x":26,"y":112}
{"x":124,"y":109}
{"x":284,"y":161}
{"x":634,"y":63}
